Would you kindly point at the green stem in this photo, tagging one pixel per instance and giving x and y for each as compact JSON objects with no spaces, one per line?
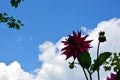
{"x":90,"y":74}
{"x":98,"y":73}
{"x":83,"y":70}
{"x":85,"y":73}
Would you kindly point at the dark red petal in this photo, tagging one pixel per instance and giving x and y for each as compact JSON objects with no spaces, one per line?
{"x":67,"y":57}
{"x":65,"y":42}
{"x":69,"y":35}
{"x":85,"y":37}
{"x":79,"y":34}
{"x":89,"y":41}
{"x":63,"y":49}
{"x":75,"y":54}
{"x":74,"y":33}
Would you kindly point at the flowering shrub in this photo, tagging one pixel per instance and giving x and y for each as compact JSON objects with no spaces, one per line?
{"x":77,"y":46}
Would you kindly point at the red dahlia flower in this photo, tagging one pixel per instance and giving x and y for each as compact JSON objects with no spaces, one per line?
{"x":75,"y":44}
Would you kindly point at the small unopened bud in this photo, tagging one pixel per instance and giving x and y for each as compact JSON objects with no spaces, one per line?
{"x":102,"y":37}
{"x":71,"y":65}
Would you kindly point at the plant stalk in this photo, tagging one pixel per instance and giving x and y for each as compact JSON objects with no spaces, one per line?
{"x":85,"y":73}
{"x":98,"y":71}
{"x":90,"y":74}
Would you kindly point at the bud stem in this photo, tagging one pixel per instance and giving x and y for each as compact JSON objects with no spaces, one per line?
{"x":98,"y":73}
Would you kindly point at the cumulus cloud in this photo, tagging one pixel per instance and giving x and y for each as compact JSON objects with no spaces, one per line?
{"x":13,"y":72}
{"x":111,"y":28}
{"x":54,"y":66}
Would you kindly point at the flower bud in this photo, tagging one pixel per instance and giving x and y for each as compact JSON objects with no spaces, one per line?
{"x":102,"y":37}
{"x":71,"y":65}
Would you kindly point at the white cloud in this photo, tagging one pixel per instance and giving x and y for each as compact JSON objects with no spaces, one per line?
{"x":111,"y":28}
{"x":85,"y":29}
{"x":13,"y":72}
{"x":54,"y":66}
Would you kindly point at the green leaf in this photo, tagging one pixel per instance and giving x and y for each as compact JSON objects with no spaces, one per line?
{"x":18,"y":21}
{"x":18,"y":1}
{"x":22,"y":24}
{"x":100,"y":60}
{"x":84,"y":59}
{"x":107,"y":68}
{"x":17,"y":26}
{"x":115,"y":68}
{"x":11,"y":25}
{"x":15,"y":3}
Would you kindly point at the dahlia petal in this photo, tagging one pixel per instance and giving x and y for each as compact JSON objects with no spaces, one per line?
{"x":67,"y":57}
{"x":74,"y":33}
{"x":75,"y":55}
{"x":85,"y":37}
{"x":89,"y":41}
{"x":69,"y":36}
{"x":63,"y":49}
{"x":79,"y":33}
{"x":65,"y":43}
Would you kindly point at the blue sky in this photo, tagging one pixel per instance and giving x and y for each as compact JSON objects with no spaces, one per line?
{"x":48,"y":20}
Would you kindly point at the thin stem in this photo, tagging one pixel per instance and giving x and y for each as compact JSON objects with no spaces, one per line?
{"x":90,"y":74}
{"x":85,"y":73}
{"x":83,"y":70}
{"x":98,"y":73}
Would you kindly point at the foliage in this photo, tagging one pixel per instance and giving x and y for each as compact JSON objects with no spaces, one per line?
{"x":113,"y":63}
{"x":100,"y":60}
{"x":9,"y":20}
{"x":15,"y":3}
